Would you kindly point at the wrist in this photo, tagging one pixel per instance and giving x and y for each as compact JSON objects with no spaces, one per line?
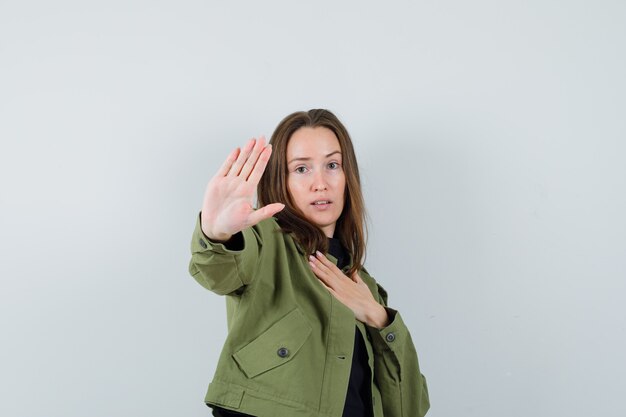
{"x":378,"y":317}
{"x":211,"y":235}
{"x":215,"y":237}
{"x":218,"y":238}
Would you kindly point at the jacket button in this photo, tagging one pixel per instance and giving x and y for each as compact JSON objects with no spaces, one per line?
{"x":283,"y":352}
{"x":390,"y":337}
{"x":203,"y":243}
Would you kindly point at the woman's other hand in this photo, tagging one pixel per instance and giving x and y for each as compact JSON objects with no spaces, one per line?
{"x":227,"y":207}
{"x":350,"y":291}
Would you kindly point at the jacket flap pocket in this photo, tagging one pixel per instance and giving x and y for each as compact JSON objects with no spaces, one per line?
{"x":275,"y":346}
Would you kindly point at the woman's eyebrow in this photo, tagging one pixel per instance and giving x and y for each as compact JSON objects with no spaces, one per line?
{"x":309,"y":158}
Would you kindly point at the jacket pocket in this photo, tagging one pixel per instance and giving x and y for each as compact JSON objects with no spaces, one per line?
{"x":274,"y":347}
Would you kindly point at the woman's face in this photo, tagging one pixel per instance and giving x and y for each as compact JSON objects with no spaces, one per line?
{"x":315,"y":178}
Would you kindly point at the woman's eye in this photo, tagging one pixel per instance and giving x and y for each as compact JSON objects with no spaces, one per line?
{"x":333,"y":165}
{"x":300,"y":170}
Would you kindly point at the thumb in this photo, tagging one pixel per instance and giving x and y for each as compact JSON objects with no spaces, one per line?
{"x":265,"y":212}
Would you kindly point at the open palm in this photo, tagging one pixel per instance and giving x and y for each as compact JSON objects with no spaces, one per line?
{"x":228,"y":201}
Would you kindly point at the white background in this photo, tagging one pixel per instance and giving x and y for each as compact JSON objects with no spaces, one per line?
{"x":491,"y":137}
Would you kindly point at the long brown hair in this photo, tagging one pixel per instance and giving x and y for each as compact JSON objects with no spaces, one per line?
{"x":351,"y":227}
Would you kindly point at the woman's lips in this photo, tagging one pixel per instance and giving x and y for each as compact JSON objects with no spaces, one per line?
{"x":321,"y":204}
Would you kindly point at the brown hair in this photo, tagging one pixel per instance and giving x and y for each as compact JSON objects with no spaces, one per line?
{"x":272,"y":188}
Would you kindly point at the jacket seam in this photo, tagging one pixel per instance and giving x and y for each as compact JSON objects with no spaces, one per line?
{"x":265,"y":395}
{"x":319,"y":404}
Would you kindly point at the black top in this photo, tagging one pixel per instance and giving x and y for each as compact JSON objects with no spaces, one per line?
{"x":358,"y":397}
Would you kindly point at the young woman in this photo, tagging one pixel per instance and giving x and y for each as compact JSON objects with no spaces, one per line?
{"x":309,"y":330}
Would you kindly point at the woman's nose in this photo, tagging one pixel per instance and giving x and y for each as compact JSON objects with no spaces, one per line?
{"x":319,"y":182}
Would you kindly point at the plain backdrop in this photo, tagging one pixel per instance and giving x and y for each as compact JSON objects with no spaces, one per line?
{"x":491,"y":137}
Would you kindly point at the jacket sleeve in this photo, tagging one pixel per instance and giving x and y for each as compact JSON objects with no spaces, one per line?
{"x":396,"y":368}
{"x":221,"y":269}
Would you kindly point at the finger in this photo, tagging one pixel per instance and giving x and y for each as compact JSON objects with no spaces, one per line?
{"x":252,"y":159}
{"x":330,"y":290}
{"x":242,"y":158}
{"x":328,"y":264}
{"x":259,"y":166}
{"x":319,"y":264}
{"x":232,"y":157}
{"x":324,"y":284}
{"x":264,"y":212}
{"x":324,"y":277}
{"x":315,"y":267}
{"x":356,"y":278}
{"x":320,"y":270}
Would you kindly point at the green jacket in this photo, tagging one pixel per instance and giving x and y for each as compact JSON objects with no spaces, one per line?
{"x":289,"y":347}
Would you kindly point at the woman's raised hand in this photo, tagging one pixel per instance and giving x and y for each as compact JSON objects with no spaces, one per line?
{"x":227,"y":207}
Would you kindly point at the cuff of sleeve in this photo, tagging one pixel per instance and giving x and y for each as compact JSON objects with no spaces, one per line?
{"x":390,"y":338}
{"x":201,"y":243}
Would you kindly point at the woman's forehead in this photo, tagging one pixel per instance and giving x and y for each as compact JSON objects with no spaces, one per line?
{"x":311,"y":143}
